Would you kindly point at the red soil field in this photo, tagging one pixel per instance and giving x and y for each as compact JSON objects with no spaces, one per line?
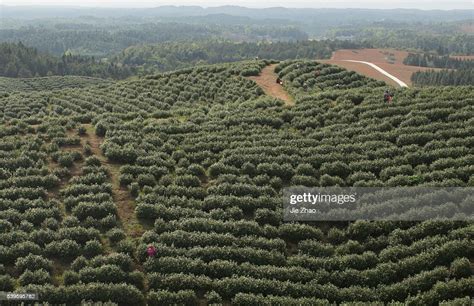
{"x":389,"y":60}
{"x":371,"y":55}
{"x":362,"y":69}
{"x":468,"y":28}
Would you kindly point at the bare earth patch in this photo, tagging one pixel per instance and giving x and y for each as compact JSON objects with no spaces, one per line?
{"x":267,"y":81}
{"x":468,"y":28}
{"x":389,"y":60}
{"x":122,"y":198}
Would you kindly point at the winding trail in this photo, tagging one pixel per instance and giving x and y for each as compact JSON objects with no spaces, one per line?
{"x":267,"y":81}
{"x":392,"y":77}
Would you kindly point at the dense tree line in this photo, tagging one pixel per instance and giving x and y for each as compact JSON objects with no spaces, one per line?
{"x":444,"y":39}
{"x":21,"y":61}
{"x":435,"y":61}
{"x":443,"y":77}
{"x":442,"y":44}
{"x":17,"y":60}
{"x":456,"y":71}
{"x":170,"y":56}
{"x":104,"y":39}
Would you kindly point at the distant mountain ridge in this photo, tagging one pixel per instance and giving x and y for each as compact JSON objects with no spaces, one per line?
{"x":294,"y":14}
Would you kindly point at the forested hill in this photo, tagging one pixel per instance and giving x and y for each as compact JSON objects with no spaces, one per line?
{"x":302,"y":15}
{"x":171,"y":56}
{"x":105,"y":37}
{"x":443,"y":38}
{"x":103,"y":32}
{"x":17,"y":60}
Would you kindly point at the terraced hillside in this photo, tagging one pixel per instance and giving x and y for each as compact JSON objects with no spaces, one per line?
{"x":48,"y":83}
{"x":194,"y":162}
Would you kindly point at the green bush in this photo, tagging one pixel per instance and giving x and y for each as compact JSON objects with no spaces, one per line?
{"x":134,"y":189}
{"x":213,"y":297}
{"x":65,"y":249}
{"x":115,"y":235}
{"x":125,"y":179}
{"x":460,"y":268}
{"x":39,"y":277}
{"x":146,"y":180}
{"x":33,"y":263}
{"x":164,"y":297}
{"x":296,"y":232}
{"x":7,"y":283}
{"x":66,"y":161}
{"x":335,"y":169}
{"x":330,"y":181}
{"x":100,"y":129}
{"x":92,"y":248}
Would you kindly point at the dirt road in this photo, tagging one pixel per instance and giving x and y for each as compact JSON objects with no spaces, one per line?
{"x":388,"y":60}
{"x":122,"y":198}
{"x":394,"y":78}
{"x":267,"y":81}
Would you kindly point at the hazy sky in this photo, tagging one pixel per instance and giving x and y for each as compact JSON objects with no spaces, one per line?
{"x":421,"y":4}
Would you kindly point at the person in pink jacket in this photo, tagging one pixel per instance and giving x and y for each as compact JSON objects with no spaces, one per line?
{"x":151,"y":251}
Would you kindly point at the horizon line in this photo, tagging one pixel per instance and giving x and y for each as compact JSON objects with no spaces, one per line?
{"x":227,"y":5}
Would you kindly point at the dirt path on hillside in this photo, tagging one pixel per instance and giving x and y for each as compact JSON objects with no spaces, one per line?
{"x":122,"y":198}
{"x":267,"y":81}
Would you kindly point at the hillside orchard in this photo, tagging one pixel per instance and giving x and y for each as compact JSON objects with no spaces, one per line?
{"x":202,"y":156}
